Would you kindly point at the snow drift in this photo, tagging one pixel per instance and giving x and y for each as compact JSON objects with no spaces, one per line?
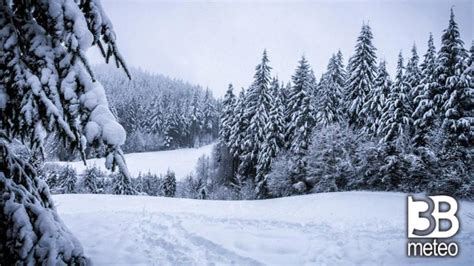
{"x":319,"y":229}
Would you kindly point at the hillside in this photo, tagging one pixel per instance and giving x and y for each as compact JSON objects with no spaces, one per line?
{"x":319,"y":229}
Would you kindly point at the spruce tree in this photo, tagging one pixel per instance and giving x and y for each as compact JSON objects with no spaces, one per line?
{"x":330,"y":91}
{"x":377,"y":100}
{"x":361,"y":75}
{"x":396,"y":115}
{"x":274,"y":140}
{"x":299,"y":117}
{"x":169,"y":184}
{"x":239,"y":125}
{"x":413,"y":76}
{"x":47,"y":86}
{"x":195,"y":126}
{"x":122,"y":185}
{"x":68,"y":179}
{"x":209,"y":123}
{"x":426,"y":111}
{"x":455,"y":103}
{"x":226,"y":116}
{"x":155,"y":118}
{"x":91,"y":179}
{"x":257,"y":109}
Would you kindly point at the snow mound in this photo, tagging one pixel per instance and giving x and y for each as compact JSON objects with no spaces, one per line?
{"x":181,"y":161}
{"x":320,"y":229}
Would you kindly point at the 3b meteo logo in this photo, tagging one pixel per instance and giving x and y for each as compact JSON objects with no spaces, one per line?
{"x":430,"y":220}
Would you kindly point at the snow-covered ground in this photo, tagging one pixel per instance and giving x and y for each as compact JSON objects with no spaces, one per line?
{"x":181,"y":161}
{"x":320,"y":229}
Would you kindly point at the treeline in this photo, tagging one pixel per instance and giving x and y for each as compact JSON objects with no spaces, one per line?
{"x":157,"y":112}
{"x":357,"y":127}
{"x":64,"y":179}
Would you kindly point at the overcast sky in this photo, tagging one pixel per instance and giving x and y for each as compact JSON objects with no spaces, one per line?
{"x":213,"y":43}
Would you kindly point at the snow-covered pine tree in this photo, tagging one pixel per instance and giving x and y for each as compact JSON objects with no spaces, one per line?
{"x":377,"y":99}
{"x":456,"y":102}
{"x":299,"y":118}
{"x":339,"y":72}
{"x":314,"y":90}
{"x":330,"y":91}
{"x":154,"y":122}
{"x":396,"y":116}
{"x":426,"y":111}
{"x":239,"y":125}
{"x":169,"y":184}
{"x":122,"y":185}
{"x":68,"y":179}
{"x":413,"y":76}
{"x":256,"y":111}
{"x":209,"y":113}
{"x":274,"y":140}
{"x":325,"y":109}
{"x":91,"y":179}
{"x":238,"y":128}
{"x":331,"y":158}
{"x":361,"y":75}
{"x":226,"y":116}
{"x":172,"y":128}
{"x":46,"y":85}
{"x":195,"y":126}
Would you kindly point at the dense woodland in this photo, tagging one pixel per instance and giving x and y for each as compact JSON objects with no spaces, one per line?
{"x":157,"y":112}
{"x":357,"y":127}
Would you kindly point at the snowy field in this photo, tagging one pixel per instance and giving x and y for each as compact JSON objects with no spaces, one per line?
{"x":181,"y":161}
{"x":320,"y":229}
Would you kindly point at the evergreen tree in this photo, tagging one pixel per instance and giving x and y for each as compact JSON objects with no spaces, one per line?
{"x":426,"y":110}
{"x":413,"y":76}
{"x":331,"y":158}
{"x":256,"y":111}
{"x":362,"y":67}
{"x":122,"y":184}
{"x":299,"y":117}
{"x":330,"y":91}
{"x":313,"y":91}
{"x":209,"y":111}
{"x":377,"y":100}
{"x":68,"y":179}
{"x":155,"y":117}
{"x":397,"y":112}
{"x":227,"y":115}
{"x":274,"y":139}
{"x":169,"y":184}
{"x":456,"y":102}
{"x":196,"y":118}
{"x":91,"y":179}
{"x":239,"y":125}
{"x":50,"y":88}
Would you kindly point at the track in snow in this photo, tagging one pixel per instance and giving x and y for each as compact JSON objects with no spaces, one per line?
{"x":330,"y":228}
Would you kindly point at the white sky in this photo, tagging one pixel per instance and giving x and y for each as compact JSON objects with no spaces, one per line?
{"x":212,"y":43}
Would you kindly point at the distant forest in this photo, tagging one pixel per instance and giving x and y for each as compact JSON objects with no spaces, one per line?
{"x":157,"y":112}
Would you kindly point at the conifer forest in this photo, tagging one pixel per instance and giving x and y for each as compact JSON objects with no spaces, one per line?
{"x":105,"y":160}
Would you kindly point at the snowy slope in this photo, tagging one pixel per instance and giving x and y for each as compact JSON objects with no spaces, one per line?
{"x":321,"y":229}
{"x":181,"y":161}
